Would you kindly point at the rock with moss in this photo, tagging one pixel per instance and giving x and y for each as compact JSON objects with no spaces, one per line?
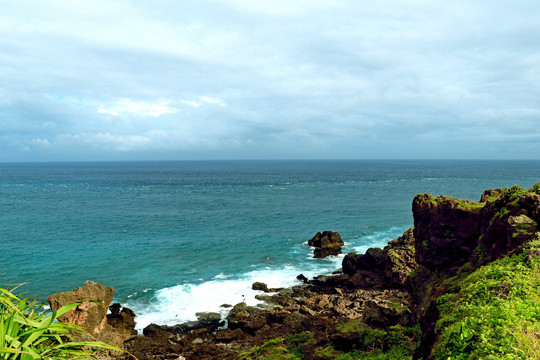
{"x":326,"y":243}
{"x":446,"y":231}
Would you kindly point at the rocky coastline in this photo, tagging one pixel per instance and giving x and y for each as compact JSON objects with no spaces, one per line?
{"x":387,"y":301}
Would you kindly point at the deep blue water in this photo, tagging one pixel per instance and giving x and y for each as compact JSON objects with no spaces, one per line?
{"x":174,"y":238}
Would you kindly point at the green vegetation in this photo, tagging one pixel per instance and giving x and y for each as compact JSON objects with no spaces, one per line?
{"x":535,"y":189}
{"x":502,"y":212}
{"x":274,"y":349}
{"x":495,"y":314}
{"x":523,"y":225}
{"x":29,"y":331}
{"x":514,"y":194}
{"x":516,"y":191}
{"x":472,"y":206}
{"x":373,"y":344}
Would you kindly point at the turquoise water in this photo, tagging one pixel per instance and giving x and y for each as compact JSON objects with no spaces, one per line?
{"x":175,"y":238}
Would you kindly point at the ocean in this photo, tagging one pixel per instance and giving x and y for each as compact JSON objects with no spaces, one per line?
{"x":177,"y":238}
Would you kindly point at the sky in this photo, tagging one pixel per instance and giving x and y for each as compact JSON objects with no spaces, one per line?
{"x":269,"y":79}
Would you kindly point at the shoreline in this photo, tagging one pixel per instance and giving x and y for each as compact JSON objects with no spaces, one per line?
{"x":388,"y":300}
{"x":235,"y":286}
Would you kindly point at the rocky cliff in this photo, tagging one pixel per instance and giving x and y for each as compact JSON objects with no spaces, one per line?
{"x":462,"y":283}
{"x":457,"y":239}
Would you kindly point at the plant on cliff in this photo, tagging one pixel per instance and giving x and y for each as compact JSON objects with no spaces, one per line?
{"x":495,"y":314}
{"x":29,"y":331}
{"x":398,"y":343}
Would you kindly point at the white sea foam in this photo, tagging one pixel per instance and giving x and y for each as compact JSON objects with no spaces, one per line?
{"x":180,"y":303}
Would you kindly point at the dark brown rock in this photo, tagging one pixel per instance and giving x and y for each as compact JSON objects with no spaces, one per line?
{"x":388,"y":267}
{"x":123,"y":319}
{"x":326,"y":243}
{"x":228,"y":335}
{"x":260,"y":286}
{"x":446,"y":231}
{"x":491,"y":195}
{"x":507,"y":223}
{"x":246,"y":318}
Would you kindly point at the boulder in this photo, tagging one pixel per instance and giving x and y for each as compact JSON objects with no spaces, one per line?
{"x":246,"y":318}
{"x":122,"y":318}
{"x":326,"y":243}
{"x":260,"y":286}
{"x":320,"y":253}
{"x":91,"y":313}
{"x":208,"y":320}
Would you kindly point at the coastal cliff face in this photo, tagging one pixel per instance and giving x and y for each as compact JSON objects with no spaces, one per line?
{"x":457,"y":241}
{"x":451,"y":232}
{"x":462,"y":283}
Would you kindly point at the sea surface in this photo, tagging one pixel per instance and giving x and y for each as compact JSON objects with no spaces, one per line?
{"x":177,"y":238}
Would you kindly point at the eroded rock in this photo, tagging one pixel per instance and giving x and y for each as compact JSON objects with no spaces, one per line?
{"x":326,"y":243}
{"x":89,"y":315}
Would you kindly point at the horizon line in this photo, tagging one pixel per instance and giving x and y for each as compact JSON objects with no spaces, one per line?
{"x":252,"y":160}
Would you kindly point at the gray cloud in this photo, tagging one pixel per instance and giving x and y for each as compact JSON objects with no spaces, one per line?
{"x":285,"y":79}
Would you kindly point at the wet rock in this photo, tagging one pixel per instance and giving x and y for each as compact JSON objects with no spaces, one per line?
{"x":259,"y":286}
{"x":208,"y":320}
{"x":326,"y":243}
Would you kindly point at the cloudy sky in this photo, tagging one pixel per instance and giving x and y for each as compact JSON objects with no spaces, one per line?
{"x":276,"y":79}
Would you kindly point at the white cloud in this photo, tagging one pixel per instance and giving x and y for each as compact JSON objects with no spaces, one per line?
{"x":143,"y":108}
{"x":191,"y":103}
{"x":103,"y":141}
{"x":267,"y":77}
{"x":203,"y":100}
{"x":210,"y":100}
{"x":41,"y":143}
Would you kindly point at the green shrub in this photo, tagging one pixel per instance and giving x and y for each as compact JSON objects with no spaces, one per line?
{"x":273,"y":349}
{"x":535,"y":189}
{"x":29,"y":331}
{"x":495,"y":313}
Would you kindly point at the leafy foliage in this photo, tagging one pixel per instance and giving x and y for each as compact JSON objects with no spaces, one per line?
{"x":29,"y":331}
{"x":271,"y":350}
{"x":535,"y":189}
{"x":495,"y":314}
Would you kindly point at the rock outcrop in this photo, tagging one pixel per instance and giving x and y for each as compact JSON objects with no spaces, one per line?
{"x":383,"y":268}
{"x":326,"y":243}
{"x":453,"y":235}
{"x":122,"y":318}
{"x":446,"y":231}
{"x":452,"y":232}
{"x":91,"y":313}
